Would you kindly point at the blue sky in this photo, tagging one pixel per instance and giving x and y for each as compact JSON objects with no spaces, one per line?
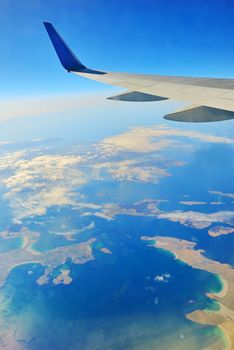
{"x":152,"y":36}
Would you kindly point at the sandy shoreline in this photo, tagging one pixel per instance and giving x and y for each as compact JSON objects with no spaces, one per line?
{"x":226,"y":338}
{"x":221,"y":294}
{"x":224,"y":289}
{"x":224,"y":317}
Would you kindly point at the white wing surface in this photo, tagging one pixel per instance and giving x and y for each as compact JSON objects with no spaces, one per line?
{"x":211,"y":99}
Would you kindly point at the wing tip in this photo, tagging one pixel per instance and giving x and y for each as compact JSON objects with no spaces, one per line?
{"x":67,"y":58}
{"x":47,"y":24}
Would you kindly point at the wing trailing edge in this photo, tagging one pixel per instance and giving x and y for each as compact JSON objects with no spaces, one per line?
{"x":200,"y":114}
{"x":212,"y":99}
{"x":136,"y":96}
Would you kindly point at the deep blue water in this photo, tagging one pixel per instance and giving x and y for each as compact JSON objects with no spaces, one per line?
{"x":113,"y":293}
{"x":114,"y":302}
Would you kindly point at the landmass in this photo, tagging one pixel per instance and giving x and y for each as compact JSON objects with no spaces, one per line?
{"x":78,"y":253}
{"x":150,"y":208}
{"x":192,"y":203}
{"x":197,"y":219}
{"x":217,"y":203}
{"x":63,"y":278}
{"x":186,"y":252}
{"x":220,"y":230}
{"x":106,"y":250}
{"x":223,"y":194}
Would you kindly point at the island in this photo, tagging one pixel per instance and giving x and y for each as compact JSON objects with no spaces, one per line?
{"x":78,"y":253}
{"x":185,"y":251}
{"x":105,"y":250}
{"x":220,"y":230}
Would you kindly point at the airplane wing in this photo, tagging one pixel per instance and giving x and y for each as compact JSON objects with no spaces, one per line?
{"x":209,"y":99}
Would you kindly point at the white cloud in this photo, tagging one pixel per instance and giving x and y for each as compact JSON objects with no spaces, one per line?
{"x":36,"y":181}
{"x":154,"y":138}
{"x":162,"y":278}
{"x":40,"y":182}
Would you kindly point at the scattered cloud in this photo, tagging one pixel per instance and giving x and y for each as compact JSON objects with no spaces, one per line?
{"x":36,"y":179}
{"x":162,"y":278}
{"x":154,"y":138}
{"x":40,"y":182}
{"x":136,"y":170}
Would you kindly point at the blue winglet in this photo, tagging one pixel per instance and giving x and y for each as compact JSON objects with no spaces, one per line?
{"x":67,"y":58}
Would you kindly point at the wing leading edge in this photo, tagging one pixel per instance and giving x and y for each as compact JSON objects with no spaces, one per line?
{"x":213,"y":98}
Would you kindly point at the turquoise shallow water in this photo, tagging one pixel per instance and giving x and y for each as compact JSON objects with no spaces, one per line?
{"x":119,"y":300}
{"x":112,"y":302}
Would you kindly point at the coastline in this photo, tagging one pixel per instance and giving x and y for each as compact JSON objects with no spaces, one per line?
{"x":222,"y":327}
{"x":227,"y":339}
{"x":224,"y":317}
{"x":224,"y":289}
